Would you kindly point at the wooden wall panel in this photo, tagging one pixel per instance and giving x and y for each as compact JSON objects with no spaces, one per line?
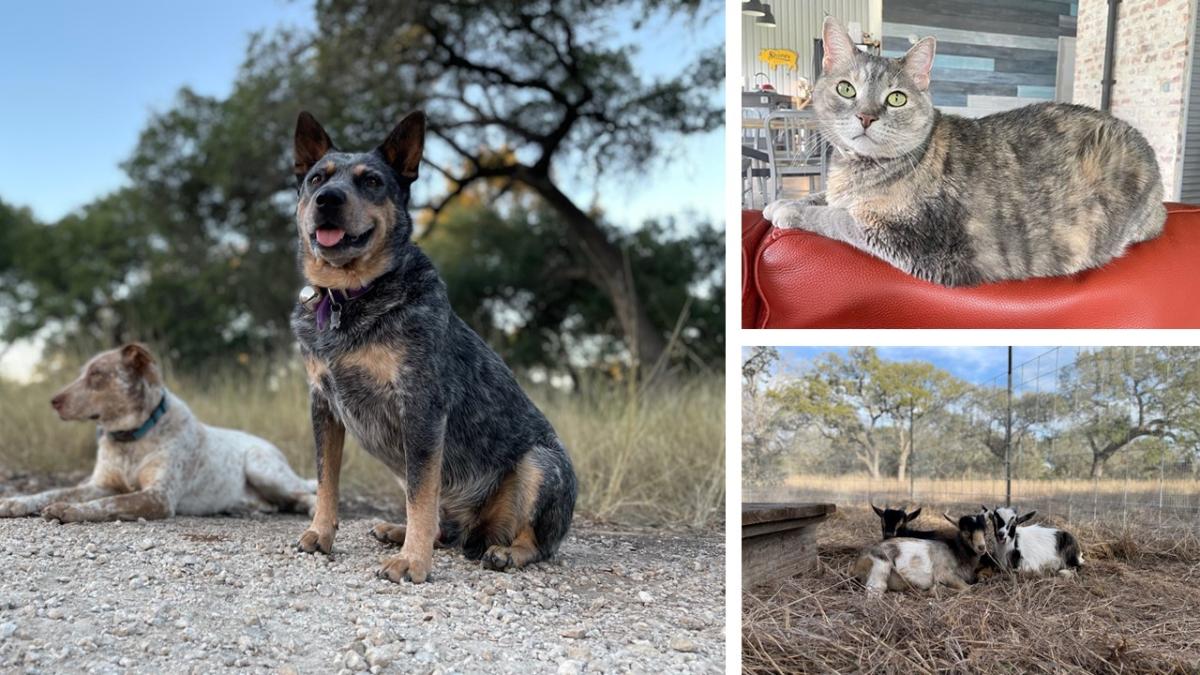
{"x":992,"y":55}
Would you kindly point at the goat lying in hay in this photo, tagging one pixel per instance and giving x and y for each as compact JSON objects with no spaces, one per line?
{"x":1033,"y":548}
{"x":1134,"y":611}
{"x":902,"y":563}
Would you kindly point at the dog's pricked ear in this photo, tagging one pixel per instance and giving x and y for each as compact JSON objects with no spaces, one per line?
{"x":136,"y":357}
{"x":403,"y":148}
{"x":311,"y":144}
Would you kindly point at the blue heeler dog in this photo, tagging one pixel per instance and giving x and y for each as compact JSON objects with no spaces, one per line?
{"x":389,"y":360}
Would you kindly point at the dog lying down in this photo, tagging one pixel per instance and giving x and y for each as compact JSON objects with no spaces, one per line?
{"x":155,"y":459}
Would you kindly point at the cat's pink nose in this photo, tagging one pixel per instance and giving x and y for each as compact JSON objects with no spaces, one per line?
{"x":866,"y":120}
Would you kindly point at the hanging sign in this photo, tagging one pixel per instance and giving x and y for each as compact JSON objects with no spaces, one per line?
{"x":778,"y":57}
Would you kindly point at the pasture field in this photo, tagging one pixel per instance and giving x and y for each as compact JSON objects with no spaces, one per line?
{"x":653,"y":457}
{"x":1132,"y":609}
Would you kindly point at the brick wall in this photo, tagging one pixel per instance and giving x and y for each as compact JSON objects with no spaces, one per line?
{"x":1152,"y":53}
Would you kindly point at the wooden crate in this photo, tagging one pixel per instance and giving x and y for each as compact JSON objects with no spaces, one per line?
{"x":779,"y":540}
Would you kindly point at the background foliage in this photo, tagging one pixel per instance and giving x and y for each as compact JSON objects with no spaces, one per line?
{"x":196,"y":254}
{"x":1129,"y":411}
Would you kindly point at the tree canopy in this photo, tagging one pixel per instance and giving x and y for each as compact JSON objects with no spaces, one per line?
{"x":1136,"y":408}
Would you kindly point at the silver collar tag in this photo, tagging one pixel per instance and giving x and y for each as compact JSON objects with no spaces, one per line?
{"x":335,"y":315}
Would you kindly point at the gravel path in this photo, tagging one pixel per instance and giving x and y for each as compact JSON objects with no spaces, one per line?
{"x":218,"y":594}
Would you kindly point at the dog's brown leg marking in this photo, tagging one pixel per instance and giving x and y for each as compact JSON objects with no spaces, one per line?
{"x":149,"y":504}
{"x":379,"y":362}
{"x":416,"y":555}
{"x":510,"y":508}
{"x":319,"y":535}
{"x":32,"y":505}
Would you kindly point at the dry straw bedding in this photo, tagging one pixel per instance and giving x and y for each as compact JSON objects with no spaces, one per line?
{"x":1134,"y":609}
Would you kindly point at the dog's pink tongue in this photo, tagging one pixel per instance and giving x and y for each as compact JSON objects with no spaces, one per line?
{"x":329,"y":236}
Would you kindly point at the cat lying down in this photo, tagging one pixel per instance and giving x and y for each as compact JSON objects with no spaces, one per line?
{"x":1046,"y":190}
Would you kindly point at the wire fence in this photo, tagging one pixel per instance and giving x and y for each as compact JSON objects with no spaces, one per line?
{"x":1077,"y":433}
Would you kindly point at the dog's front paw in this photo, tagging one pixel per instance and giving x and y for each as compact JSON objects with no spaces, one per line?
{"x":786,"y":213}
{"x":62,"y":512}
{"x":314,"y":540}
{"x":15,"y":508}
{"x":406,"y":567}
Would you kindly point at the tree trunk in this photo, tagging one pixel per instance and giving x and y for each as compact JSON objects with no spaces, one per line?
{"x":645,"y":342}
{"x":902,"y":464}
{"x":1097,"y":467}
{"x":906,"y":447}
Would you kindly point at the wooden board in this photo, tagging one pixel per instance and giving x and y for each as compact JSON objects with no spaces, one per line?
{"x":779,"y":540}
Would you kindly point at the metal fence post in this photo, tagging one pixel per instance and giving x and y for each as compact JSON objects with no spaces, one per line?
{"x":1008,"y":438}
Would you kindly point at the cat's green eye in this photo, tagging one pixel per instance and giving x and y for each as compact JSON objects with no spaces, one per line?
{"x":845,"y":89}
{"x":896,"y":99}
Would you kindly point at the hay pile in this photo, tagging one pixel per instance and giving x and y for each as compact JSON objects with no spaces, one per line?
{"x":1134,"y":608}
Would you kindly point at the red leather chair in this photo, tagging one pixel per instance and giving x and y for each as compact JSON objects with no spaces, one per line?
{"x":796,"y":279}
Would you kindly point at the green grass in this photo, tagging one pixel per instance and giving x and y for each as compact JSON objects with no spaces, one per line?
{"x":651,"y":458}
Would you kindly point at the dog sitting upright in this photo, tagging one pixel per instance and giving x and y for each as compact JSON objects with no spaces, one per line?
{"x":155,"y":459}
{"x":390,"y":361}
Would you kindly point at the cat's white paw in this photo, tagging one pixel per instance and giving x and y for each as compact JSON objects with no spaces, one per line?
{"x":786,"y":213}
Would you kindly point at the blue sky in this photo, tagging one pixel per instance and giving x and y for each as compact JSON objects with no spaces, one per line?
{"x":83,"y":77}
{"x":980,"y":365}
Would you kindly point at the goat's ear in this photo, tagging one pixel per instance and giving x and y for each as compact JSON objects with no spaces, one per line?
{"x":878,"y":511}
{"x":310,"y":145}
{"x":983,"y":509}
{"x":912,"y":516}
{"x":951,"y":520}
{"x":1026,"y":517}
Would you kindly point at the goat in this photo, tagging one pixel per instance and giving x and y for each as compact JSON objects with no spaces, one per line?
{"x":1033,"y":548}
{"x":894,"y":523}
{"x":900,"y":563}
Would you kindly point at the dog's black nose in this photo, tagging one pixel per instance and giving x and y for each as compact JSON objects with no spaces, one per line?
{"x":330,"y":199}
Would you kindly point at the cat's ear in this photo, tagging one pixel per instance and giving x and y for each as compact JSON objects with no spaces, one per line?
{"x":839,"y":49}
{"x":919,"y":61}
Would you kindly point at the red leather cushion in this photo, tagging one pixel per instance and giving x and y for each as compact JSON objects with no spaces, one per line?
{"x":754,"y":226}
{"x":803,"y":280}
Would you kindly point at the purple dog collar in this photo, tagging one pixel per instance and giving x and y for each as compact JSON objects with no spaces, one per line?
{"x":328,"y":309}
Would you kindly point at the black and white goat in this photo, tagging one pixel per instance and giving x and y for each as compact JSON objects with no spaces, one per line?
{"x":901,"y":563}
{"x":1033,"y":548}
{"x":894,"y":523}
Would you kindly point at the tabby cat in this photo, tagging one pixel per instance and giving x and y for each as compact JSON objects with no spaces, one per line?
{"x":1045,"y":190}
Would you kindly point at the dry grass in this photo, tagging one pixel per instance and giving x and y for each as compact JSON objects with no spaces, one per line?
{"x":1132,"y":609}
{"x":654,"y":459}
{"x":1022,"y":489}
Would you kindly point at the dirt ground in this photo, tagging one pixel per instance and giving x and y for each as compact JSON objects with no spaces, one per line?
{"x":222,"y":594}
{"x":1134,"y":609}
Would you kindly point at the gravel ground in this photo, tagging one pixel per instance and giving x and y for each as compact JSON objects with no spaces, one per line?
{"x":218,"y":594}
